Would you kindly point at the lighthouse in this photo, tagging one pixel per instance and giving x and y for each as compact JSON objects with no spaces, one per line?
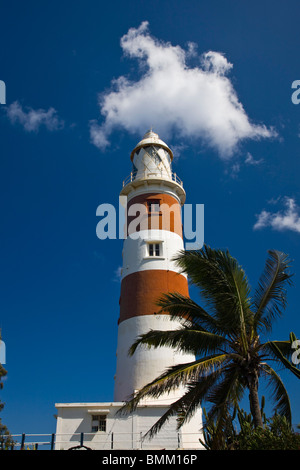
{"x":153,"y":197}
{"x":155,"y":194}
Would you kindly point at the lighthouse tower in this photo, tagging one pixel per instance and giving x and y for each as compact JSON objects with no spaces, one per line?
{"x":156,"y":194}
{"x":153,"y":196}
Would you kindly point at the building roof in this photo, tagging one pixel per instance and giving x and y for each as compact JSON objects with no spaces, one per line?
{"x":151,"y":138}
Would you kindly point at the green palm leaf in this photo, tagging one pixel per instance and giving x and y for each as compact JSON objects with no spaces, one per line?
{"x":173,"y":377}
{"x":183,"y":408}
{"x":184,"y":339}
{"x":270,"y":295}
{"x":277,"y":352}
{"x":222,"y":284}
{"x":224,"y":395}
{"x":284,"y":347}
{"x":279,"y":393}
{"x":184,"y":309}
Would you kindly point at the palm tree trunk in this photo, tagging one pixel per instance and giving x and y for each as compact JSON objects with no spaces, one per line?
{"x":254,"y":401}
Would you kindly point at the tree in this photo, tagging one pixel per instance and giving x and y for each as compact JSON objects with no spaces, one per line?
{"x":6,"y":440}
{"x":224,"y":336}
{"x":276,"y":434}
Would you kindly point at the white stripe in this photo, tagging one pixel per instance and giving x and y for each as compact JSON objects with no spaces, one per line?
{"x":133,"y":372}
{"x":136,"y":251}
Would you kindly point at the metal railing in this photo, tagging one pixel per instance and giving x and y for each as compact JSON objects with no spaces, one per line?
{"x":100,"y":441}
{"x":137,"y":175}
{"x":29,"y":441}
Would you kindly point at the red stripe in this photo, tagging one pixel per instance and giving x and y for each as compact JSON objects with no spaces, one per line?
{"x":169,"y":218}
{"x":141,"y":290}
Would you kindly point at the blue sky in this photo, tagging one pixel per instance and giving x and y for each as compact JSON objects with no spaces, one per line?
{"x":83,"y":83}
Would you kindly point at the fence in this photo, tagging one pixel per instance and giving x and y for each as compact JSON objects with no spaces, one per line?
{"x":97,"y":441}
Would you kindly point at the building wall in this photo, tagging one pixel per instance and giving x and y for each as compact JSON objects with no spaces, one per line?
{"x":122,"y":432}
{"x":167,"y":218}
{"x":146,"y":364}
{"x":136,"y":258}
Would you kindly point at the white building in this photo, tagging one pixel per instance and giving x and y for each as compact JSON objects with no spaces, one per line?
{"x":120,"y":432}
{"x":148,"y":271}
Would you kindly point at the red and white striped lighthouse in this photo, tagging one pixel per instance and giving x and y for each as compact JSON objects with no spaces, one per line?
{"x":148,"y":270}
{"x":154,"y":197}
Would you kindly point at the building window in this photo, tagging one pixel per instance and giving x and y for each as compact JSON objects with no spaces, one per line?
{"x":99,"y":423}
{"x":153,"y":153}
{"x":153,"y":206}
{"x":154,"y":249}
{"x":154,"y":222}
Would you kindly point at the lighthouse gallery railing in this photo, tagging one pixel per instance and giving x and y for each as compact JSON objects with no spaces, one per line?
{"x":135,"y":175}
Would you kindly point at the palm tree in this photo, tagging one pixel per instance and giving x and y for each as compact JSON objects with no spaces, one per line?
{"x":225,"y":338}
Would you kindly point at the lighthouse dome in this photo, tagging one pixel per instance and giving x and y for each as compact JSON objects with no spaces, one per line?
{"x":151,"y":157}
{"x":151,"y":138}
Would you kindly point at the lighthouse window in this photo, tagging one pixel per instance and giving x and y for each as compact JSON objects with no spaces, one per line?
{"x":153,"y":206}
{"x":153,"y":153}
{"x":154,"y":249}
{"x":99,"y":423}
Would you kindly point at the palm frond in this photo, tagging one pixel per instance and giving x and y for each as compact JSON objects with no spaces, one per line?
{"x":285,"y":347}
{"x":184,"y":339}
{"x":185,"y":309}
{"x":224,"y":396}
{"x":274,"y":348}
{"x":184,"y":408}
{"x":222,"y":283}
{"x":270,"y":295}
{"x":173,"y":377}
{"x":228,"y":391}
{"x":281,"y":398}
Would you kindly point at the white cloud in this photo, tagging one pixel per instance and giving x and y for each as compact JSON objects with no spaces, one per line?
{"x":286,"y":219}
{"x":33,"y":119}
{"x":176,"y":100}
{"x":118,"y":274}
{"x":250,"y":160}
{"x":235,"y":169}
